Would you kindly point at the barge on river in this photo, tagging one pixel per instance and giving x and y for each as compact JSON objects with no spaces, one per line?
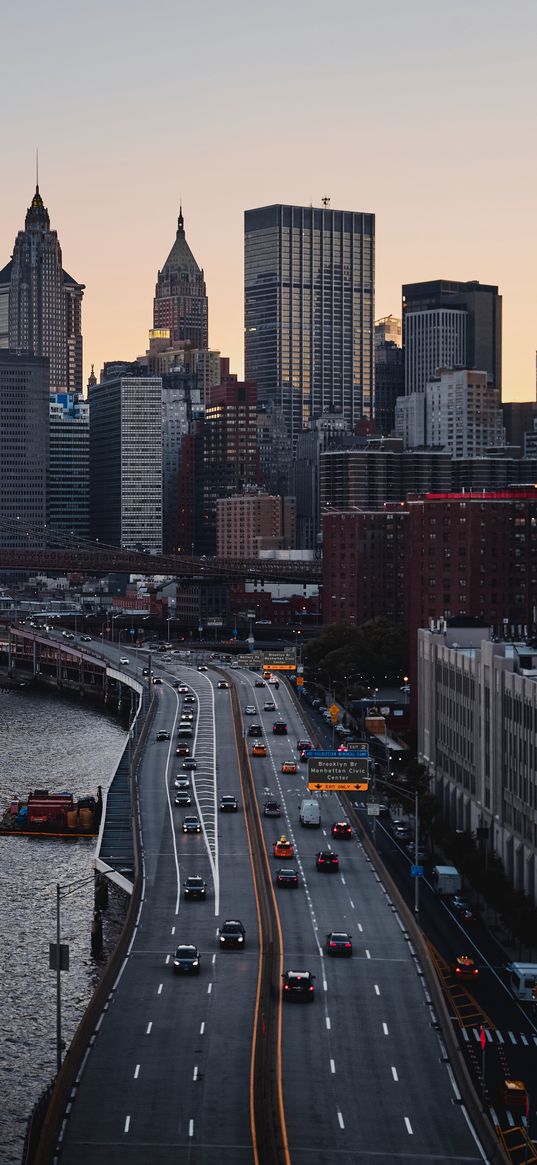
{"x":50,"y":814}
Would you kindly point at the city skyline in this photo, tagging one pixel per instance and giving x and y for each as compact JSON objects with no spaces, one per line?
{"x":414,"y":122}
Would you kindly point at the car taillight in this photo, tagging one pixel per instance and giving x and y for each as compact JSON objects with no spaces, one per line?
{"x":287,"y":987}
{"x":347,"y":944}
{"x":312,"y":987}
{"x":333,"y":944}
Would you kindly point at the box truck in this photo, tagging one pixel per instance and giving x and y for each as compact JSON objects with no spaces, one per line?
{"x":446,"y":880}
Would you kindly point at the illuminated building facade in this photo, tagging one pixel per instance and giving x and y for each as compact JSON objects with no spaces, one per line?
{"x":309,"y":311}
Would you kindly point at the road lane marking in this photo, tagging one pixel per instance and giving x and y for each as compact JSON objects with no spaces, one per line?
{"x":340,"y":1119}
{"x":394,"y":1073}
{"x":360,"y":928}
{"x":167,"y":959}
{"x":367,"y":954}
{"x":408,"y":1126}
{"x":385,"y":1028}
{"x":523,"y":1038}
{"x":202,"y":1029}
{"x":377,"y":989}
{"x":352,"y":903}
{"x":127,"y":1123}
{"x":343,"y":880}
{"x":512,"y":1037}
{"x":195,"y":1073}
{"x":137,"y":1072}
{"x":328,"y":1022}
{"x":332,"y":1066}
{"x":149,"y":1026}
{"x":173,"y":930}
{"x":159,"y":992}
{"x":214,"y":960}
{"x":191,"y":1128}
{"x":209,"y":989}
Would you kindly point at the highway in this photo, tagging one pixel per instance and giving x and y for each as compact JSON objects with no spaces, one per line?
{"x":363,"y":1072}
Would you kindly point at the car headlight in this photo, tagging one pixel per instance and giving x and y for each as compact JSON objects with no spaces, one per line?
{"x":195,"y":962}
{"x":222,"y":939}
{"x":241,"y":938}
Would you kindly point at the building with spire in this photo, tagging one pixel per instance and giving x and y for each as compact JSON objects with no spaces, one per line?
{"x":180,"y":302}
{"x":40,"y":304}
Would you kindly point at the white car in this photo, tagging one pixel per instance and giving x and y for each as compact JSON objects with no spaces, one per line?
{"x":124,"y":659}
{"x":250,"y":710}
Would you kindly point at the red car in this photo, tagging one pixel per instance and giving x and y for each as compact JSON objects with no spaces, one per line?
{"x":182,"y":750}
{"x":341,"y":829}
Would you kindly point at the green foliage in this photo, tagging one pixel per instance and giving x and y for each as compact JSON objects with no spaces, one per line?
{"x":371,"y":655}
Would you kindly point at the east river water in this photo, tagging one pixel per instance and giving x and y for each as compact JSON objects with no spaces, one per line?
{"x":46,"y":743}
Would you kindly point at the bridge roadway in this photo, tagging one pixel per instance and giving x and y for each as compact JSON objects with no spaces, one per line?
{"x":108,"y":559}
{"x":167,"y":1079}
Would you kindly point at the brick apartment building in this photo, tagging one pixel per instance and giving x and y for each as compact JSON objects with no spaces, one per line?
{"x":250,"y":522}
{"x":364,"y":564}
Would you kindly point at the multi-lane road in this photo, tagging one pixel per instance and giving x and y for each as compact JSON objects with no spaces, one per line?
{"x":364,"y":1074}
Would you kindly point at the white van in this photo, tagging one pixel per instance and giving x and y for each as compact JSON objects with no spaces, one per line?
{"x":523,"y":981}
{"x":310,"y":812}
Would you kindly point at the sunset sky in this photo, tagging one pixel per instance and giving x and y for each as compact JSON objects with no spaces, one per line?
{"x":422,"y":112}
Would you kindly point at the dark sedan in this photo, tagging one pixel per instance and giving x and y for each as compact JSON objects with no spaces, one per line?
{"x":272,"y":809}
{"x":338,"y":942}
{"x":186,"y":960}
{"x":232,"y":933}
{"x":287,"y":878}
{"x":191,"y":825}
{"x":229,"y":804}
{"x":299,"y":985}
{"x":195,"y":887}
{"x":326,"y":861}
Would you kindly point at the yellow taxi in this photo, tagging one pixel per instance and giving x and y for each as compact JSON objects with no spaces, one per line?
{"x":283,"y":848}
{"x":259,"y":750}
{"x":289,"y":766}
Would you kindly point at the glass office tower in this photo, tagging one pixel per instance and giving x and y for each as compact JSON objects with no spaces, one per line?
{"x":309,"y":311}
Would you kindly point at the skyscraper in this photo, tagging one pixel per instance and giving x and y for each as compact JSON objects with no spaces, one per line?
{"x":40,"y":304}
{"x":69,"y":474}
{"x":389,"y":372}
{"x":180,"y":302}
{"x":126,"y":462}
{"x":24,"y":447}
{"x":309,"y":311}
{"x":448,"y":324}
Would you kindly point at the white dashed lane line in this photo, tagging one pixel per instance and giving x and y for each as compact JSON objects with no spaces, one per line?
{"x":191,"y":1128}
{"x":394,"y":1074}
{"x":377,"y":989}
{"x":149,"y":1026}
{"x":368,"y":954}
{"x":173,"y":930}
{"x":195,"y":1073}
{"x":408,"y":1126}
{"x":340,"y":1119}
{"x":328,"y":1025}
{"x":209,"y":988}
{"x":332,"y":1067}
{"x":202,"y":1029}
{"x":167,"y":959}
{"x":127,"y":1124}
{"x":385,"y":1028}
{"x":160,"y":986}
{"x":137,"y":1072}
{"x":360,"y":928}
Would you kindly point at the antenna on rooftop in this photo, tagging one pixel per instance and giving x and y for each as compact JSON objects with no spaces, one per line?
{"x":326,"y":201}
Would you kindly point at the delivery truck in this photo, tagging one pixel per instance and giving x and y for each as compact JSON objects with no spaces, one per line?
{"x":446,"y":880}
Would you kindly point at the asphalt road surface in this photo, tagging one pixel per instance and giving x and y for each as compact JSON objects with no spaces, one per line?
{"x":364,"y":1079}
